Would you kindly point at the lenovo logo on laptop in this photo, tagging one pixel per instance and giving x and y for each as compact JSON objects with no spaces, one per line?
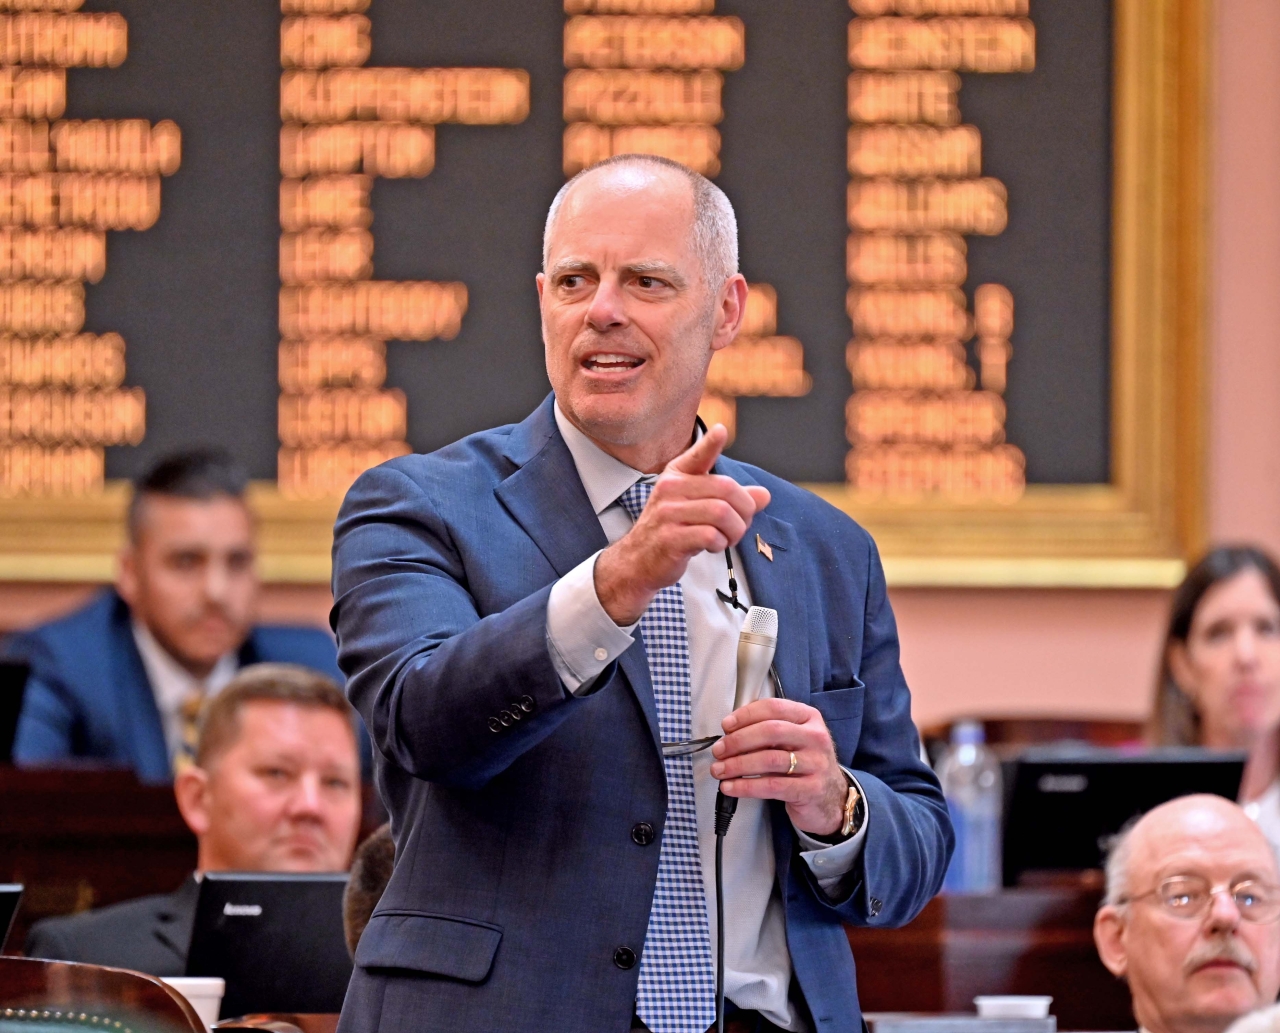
{"x":242,"y":910}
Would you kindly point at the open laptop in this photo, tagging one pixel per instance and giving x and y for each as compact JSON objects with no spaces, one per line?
{"x":276,"y":938}
{"x":13,"y":684}
{"x":1062,"y":806}
{"x":10,"y":898}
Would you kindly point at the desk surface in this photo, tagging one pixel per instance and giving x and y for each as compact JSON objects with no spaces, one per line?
{"x":1024,"y":941}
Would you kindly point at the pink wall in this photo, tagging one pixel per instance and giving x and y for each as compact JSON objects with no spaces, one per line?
{"x":1063,"y":653}
{"x":25,"y":604}
{"x":1244,"y":386}
{"x":1095,"y":652}
{"x":1080,"y":652}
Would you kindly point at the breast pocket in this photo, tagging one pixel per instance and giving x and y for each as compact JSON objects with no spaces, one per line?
{"x":841,"y":709}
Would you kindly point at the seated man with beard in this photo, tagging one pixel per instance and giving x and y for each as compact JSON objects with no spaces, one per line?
{"x":121,"y":680}
{"x":1190,"y":916}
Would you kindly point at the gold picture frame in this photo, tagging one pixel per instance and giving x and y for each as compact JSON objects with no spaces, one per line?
{"x":1137,"y":531}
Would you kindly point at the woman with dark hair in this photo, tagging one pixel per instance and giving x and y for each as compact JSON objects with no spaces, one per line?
{"x":1219,"y":680}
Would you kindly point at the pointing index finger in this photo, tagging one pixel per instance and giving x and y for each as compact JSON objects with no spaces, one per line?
{"x":701,"y":456}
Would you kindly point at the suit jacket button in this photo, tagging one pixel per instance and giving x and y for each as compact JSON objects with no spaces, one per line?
{"x":506,"y":719}
{"x":642,"y":833}
{"x":624,"y":957}
{"x":527,"y":703}
{"x":495,"y":725}
{"x":876,"y":905}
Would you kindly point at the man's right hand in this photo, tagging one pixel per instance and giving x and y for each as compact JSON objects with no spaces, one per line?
{"x":690,"y":511}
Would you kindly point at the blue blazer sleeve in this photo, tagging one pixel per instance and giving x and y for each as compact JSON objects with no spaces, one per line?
{"x":909,"y":836}
{"x":45,"y":725}
{"x":430,"y":674}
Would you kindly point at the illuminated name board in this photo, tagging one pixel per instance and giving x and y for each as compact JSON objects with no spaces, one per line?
{"x":343,"y":126}
{"x":920,"y":422}
{"x":63,"y":184}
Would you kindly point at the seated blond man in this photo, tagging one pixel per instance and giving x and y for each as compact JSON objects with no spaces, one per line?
{"x":1190,"y":916}
{"x":275,"y":787}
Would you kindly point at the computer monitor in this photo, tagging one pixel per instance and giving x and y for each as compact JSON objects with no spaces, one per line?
{"x":10,"y":898}
{"x":276,"y":938}
{"x":13,"y":685}
{"x":1063,"y":806}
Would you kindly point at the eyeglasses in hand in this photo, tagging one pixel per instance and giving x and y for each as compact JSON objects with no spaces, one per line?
{"x":691,"y":746}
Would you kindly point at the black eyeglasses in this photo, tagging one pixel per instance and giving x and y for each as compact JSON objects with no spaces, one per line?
{"x":1190,"y":896}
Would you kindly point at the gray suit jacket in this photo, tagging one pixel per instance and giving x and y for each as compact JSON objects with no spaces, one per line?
{"x":150,"y":934}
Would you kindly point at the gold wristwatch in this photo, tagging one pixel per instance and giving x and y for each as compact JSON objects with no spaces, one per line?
{"x":850,"y":807}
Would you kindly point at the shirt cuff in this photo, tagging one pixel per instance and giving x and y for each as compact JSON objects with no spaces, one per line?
{"x":831,"y":862}
{"x":582,"y":638}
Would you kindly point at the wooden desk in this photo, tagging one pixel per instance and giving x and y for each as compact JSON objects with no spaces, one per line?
{"x":1024,"y":941}
{"x":84,"y":838}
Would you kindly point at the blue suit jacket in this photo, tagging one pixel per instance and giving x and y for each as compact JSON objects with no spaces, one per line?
{"x":88,"y":695}
{"x":516,"y":876}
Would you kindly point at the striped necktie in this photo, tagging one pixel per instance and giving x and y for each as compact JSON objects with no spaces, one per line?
{"x":676,"y":993}
{"x":185,"y":755}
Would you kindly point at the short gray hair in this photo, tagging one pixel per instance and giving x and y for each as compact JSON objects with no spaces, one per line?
{"x":715,"y":227}
{"x":1119,"y":851}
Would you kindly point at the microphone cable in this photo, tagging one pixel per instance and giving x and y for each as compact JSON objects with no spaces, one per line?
{"x":726,"y":808}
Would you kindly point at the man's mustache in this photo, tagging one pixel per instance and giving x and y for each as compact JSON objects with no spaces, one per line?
{"x":212,"y":609}
{"x":1226,"y":948}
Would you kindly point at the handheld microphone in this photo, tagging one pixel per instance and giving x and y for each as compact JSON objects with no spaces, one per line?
{"x":757,"y":643}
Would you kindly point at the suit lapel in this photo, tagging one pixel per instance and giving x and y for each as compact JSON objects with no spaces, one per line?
{"x":778,"y":584}
{"x":138,"y":717}
{"x":546,"y":498}
{"x":175,"y":918}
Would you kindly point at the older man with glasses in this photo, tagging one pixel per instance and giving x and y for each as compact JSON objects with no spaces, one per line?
{"x":1190,"y":916}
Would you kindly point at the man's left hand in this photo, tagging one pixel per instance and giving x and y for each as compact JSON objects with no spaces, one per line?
{"x":760,"y":739}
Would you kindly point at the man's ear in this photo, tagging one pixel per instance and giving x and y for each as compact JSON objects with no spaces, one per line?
{"x":191,"y":789}
{"x":127,"y":574}
{"x":731,"y":309}
{"x":1108,"y":936}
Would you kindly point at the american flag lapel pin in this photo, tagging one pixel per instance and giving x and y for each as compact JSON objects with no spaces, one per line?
{"x":764,"y":548}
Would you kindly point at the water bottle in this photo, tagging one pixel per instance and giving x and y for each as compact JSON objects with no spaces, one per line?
{"x":970,"y":776}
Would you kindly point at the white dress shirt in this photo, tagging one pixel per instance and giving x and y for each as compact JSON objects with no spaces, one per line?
{"x":584,"y":640}
{"x":172,"y":684}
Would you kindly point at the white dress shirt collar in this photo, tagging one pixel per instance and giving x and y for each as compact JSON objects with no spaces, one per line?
{"x":172,"y":684}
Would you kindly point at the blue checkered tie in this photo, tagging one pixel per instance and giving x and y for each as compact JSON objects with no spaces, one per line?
{"x":677,"y":976}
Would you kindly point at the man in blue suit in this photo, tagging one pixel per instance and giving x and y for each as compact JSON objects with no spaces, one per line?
{"x":528,"y":616}
{"x":121,"y":680}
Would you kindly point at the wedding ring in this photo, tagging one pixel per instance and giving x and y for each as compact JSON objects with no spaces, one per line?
{"x":792,"y":767}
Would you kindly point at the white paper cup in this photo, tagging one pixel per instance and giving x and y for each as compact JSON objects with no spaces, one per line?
{"x":1013,"y":1006}
{"x":203,"y":993}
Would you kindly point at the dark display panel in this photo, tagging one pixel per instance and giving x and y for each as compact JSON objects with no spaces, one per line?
{"x":196,"y":296}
